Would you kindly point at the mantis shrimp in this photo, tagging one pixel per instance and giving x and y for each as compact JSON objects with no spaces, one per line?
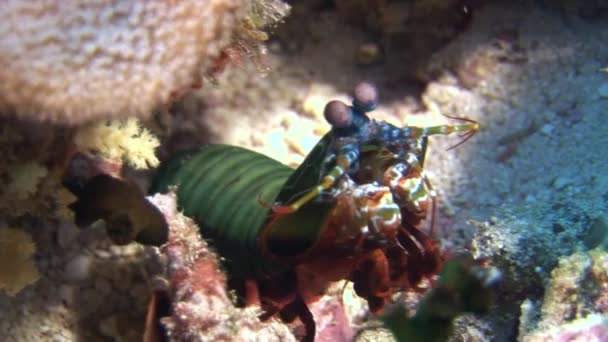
{"x":350,"y":211}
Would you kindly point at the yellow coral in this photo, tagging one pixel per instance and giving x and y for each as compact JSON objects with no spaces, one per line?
{"x":24,"y":180}
{"x":63,"y":198}
{"x":18,"y":269}
{"x":118,"y":140}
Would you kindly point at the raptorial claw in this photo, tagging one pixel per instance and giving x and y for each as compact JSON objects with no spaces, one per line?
{"x":282,"y":209}
{"x":277,"y":209}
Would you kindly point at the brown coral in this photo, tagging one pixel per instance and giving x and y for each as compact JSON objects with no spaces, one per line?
{"x":81,"y":59}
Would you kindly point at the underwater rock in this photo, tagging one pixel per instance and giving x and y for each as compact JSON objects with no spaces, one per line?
{"x":578,"y":288}
{"x":590,"y":328}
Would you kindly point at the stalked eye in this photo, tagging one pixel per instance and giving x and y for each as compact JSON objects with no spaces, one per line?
{"x":338,"y":114}
{"x":365,"y":97}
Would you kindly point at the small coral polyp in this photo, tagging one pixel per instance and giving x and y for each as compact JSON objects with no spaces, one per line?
{"x":118,"y":141}
{"x":350,"y":211}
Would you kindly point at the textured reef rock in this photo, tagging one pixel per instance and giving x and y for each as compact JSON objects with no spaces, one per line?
{"x":527,"y":242}
{"x":552,"y":278}
{"x":591,"y":328}
{"x":202,"y":308}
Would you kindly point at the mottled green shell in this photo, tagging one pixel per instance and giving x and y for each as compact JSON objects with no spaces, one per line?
{"x":219,"y":187}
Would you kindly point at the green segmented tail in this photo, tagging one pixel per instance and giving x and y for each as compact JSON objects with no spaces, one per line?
{"x":219,"y":187}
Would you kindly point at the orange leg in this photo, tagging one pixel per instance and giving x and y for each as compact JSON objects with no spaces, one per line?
{"x":299,"y":309}
{"x":372,"y":280}
{"x":379,"y":275}
{"x":252,"y":295}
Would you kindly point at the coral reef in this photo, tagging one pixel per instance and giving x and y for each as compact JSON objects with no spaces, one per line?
{"x":261,"y":16}
{"x":72,"y":62}
{"x":532,"y":72}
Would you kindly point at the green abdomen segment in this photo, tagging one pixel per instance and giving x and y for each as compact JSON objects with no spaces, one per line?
{"x":220,"y":186}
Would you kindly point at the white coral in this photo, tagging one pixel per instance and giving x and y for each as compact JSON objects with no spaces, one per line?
{"x":72,"y":60}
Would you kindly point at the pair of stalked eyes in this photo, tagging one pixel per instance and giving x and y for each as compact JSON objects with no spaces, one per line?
{"x":340,"y":115}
